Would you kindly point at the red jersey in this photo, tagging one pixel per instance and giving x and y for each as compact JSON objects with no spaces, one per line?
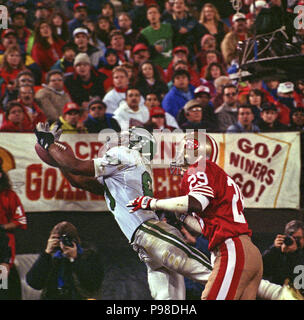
{"x":11,"y":210}
{"x":223,"y":218}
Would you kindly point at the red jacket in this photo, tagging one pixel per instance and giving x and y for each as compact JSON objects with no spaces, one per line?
{"x":8,"y":126}
{"x":46,"y":58}
{"x":11,"y":210}
{"x":39,"y":116}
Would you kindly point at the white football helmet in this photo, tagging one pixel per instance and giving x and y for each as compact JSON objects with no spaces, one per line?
{"x":135,"y":138}
{"x":194,"y":148}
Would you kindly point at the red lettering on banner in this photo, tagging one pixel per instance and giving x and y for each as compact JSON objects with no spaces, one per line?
{"x":65,"y":191}
{"x":257,"y":170}
{"x":78,"y":152}
{"x":95,"y":147}
{"x":33,"y":181}
{"x":50,"y":181}
{"x":42,"y":183}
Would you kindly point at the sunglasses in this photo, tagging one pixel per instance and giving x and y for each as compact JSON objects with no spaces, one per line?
{"x":230,"y":94}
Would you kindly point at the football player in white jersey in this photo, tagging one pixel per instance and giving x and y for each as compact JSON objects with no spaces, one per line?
{"x":123,"y":172}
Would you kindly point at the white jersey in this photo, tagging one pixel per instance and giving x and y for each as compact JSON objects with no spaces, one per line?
{"x":125,"y":176}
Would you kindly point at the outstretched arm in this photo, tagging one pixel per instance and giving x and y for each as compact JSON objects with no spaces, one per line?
{"x":179,"y":205}
{"x":69,"y":163}
{"x":83,"y":182}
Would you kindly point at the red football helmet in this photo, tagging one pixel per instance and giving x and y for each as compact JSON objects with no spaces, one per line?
{"x":194,"y":149}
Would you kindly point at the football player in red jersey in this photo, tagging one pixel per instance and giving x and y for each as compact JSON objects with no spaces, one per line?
{"x":212,"y":203}
{"x":12,"y":215}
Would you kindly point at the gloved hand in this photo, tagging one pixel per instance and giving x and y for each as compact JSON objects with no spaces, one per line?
{"x":45,"y":136}
{"x":143,"y":202}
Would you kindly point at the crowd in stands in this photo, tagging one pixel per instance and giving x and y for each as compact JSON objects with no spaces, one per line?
{"x":58,"y":57}
{"x":71,"y":62}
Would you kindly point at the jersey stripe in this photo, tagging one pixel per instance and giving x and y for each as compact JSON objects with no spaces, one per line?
{"x":212,"y":295}
{"x":166,"y":236}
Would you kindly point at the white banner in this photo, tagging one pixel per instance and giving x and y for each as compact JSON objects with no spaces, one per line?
{"x":265,"y":166}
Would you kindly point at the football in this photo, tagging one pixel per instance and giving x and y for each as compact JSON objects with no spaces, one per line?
{"x":45,"y":156}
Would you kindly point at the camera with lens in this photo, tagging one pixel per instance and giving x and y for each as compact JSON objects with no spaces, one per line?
{"x":66,"y":240}
{"x":288,"y":241}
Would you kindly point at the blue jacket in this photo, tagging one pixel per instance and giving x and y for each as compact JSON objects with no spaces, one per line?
{"x":174,"y":100}
{"x":238,"y":128}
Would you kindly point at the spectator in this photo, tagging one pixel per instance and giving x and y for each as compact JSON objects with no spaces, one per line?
{"x":299,"y":93}
{"x":130,"y":112}
{"x":15,"y":119}
{"x":59,"y":25}
{"x":106,"y":65}
{"x":117,"y":42}
{"x":125,"y":25}
{"x":212,"y":23}
{"x":269,"y":119}
{"x":108,"y":10}
{"x":285,"y":94}
{"x":207,"y":44}
{"x":82,"y":41}
{"x":65,"y":63}
{"x":114,"y":97}
{"x":158,"y":36}
{"x":194,"y":114}
{"x":227,"y":113}
{"x":202,"y":97}
{"x":98,"y":119}
{"x":138,"y":14}
{"x":245,"y":121}
{"x":11,"y":65}
{"x":210,"y":56}
{"x":142,"y":54}
{"x":149,"y":80}
{"x":153,"y":100}
{"x":131,"y":72}
{"x":25,"y":36}
{"x":102,"y":30}
{"x":12,"y":214}
{"x":157,"y":120}
{"x":69,"y":121}
{"x":67,"y":269}
{"x":186,"y":29}
{"x":297,"y":120}
{"x":168,"y":10}
{"x":42,"y":11}
{"x":282,"y":257}
{"x":85,"y":82}
{"x":256,"y":99}
{"x":219,"y":85}
{"x":238,"y":33}
{"x":33,"y":113}
{"x":181,"y":53}
{"x":8,"y":38}
{"x":80,"y":14}
{"x":52,"y":96}
{"x":47,"y":48}
{"x":181,"y":92}
{"x":213,"y":71}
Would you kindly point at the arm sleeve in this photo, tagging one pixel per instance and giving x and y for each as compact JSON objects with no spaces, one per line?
{"x":38,"y":274}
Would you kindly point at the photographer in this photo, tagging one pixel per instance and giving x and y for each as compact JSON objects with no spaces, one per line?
{"x":66,"y":270}
{"x":285,"y":253}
